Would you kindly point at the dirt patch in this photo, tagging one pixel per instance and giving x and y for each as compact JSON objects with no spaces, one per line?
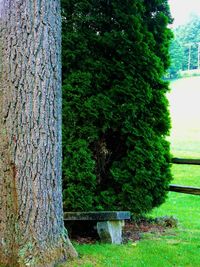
{"x":132,"y":231}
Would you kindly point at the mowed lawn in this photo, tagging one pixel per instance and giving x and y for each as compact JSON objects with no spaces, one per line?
{"x":179,"y":246}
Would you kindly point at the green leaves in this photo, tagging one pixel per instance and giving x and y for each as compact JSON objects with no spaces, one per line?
{"x":115,"y":112}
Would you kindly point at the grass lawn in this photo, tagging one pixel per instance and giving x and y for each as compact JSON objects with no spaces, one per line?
{"x":179,"y":247}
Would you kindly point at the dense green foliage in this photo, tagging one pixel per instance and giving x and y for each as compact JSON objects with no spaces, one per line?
{"x":185,"y":36}
{"x":115,"y":114}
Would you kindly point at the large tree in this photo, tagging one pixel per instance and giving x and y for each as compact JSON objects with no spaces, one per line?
{"x":115,"y":115}
{"x":32,"y":232}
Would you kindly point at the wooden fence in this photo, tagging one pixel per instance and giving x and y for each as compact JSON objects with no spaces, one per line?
{"x":185,"y":189}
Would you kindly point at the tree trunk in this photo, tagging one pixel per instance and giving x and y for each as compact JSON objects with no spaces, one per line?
{"x":32,"y":232}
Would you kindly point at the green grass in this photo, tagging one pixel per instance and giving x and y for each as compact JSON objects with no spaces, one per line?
{"x":179,"y":247}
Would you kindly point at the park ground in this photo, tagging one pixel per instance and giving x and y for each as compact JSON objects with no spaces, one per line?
{"x":179,"y":246}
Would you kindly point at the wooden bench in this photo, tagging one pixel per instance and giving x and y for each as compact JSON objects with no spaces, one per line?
{"x":109,"y":223}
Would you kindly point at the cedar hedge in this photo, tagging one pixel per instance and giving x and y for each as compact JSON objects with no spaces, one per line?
{"x":115,"y":112}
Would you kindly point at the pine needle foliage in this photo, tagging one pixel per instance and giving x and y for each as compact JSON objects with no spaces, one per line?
{"x":115,"y":112}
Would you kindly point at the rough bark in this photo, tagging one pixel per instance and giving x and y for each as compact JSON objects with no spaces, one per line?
{"x":31,"y":217}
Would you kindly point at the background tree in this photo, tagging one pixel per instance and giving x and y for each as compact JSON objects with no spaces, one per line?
{"x":31,"y":217}
{"x":115,"y":114}
{"x":190,"y":34}
{"x":186,"y":37}
{"x":177,"y":55}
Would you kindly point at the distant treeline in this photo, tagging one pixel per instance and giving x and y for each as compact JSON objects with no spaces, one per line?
{"x":185,"y":48}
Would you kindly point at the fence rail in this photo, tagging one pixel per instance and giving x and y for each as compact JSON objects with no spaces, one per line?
{"x":181,"y":188}
{"x":184,"y":189}
{"x":186,"y":161}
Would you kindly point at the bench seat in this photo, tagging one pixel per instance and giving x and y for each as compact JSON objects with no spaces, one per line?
{"x":109,"y":223}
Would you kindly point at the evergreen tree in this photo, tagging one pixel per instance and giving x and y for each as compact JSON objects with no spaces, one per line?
{"x":115,"y":114}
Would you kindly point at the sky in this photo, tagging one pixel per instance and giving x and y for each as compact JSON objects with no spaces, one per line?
{"x":182,"y":9}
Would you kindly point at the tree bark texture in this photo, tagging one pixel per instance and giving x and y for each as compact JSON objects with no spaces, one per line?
{"x":31,"y":217}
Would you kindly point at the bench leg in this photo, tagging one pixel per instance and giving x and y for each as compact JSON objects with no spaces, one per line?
{"x":110,"y":231}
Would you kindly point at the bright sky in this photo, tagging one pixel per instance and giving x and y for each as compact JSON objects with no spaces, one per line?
{"x":182,"y":9}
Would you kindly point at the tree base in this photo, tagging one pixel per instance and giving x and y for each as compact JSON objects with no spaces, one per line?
{"x":35,"y":256}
